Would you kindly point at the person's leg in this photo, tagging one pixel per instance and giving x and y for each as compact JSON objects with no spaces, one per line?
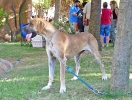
{"x":112,"y":32}
{"x":81,"y":27}
{"x":86,"y":28}
{"x":107,"y":33}
{"x":72,"y":26}
{"x":107,"y":41}
{"x":102,"y":34}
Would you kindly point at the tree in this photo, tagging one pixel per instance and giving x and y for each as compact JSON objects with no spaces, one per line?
{"x":57,"y":10}
{"x":123,"y":43}
{"x":94,"y":26}
{"x":12,"y":8}
{"x":41,"y":7}
{"x":16,"y":13}
{"x":25,"y":11}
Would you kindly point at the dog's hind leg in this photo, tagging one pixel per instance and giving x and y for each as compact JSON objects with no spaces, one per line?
{"x":51,"y":63}
{"x":94,"y":51}
{"x":77,"y":59}
{"x":97,"y":56}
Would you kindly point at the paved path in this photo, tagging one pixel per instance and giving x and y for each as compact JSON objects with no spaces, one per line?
{"x":5,"y":66}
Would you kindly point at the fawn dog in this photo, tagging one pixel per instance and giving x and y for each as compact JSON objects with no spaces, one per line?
{"x":66,"y":46}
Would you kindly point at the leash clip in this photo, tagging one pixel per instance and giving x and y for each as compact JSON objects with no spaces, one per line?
{"x":96,"y":91}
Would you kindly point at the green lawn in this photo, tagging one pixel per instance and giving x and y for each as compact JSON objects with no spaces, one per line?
{"x":25,"y":81}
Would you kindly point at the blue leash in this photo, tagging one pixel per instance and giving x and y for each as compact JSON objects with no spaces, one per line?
{"x":95,"y":91}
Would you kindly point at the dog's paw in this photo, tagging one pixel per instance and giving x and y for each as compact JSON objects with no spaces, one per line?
{"x":104,"y":77}
{"x":46,"y":88}
{"x":74,"y":78}
{"x":62,"y":90}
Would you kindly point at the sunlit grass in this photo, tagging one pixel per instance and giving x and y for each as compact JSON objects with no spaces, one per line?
{"x":25,"y":81}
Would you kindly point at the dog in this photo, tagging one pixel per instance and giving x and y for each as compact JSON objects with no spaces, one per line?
{"x":66,"y":46}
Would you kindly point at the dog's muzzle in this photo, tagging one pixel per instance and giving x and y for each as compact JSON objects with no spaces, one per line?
{"x":28,"y":30}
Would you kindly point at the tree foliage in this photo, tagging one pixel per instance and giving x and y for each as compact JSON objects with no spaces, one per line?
{"x":3,"y":17}
{"x":41,"y":6}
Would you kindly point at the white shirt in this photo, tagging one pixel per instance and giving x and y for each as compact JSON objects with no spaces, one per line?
{"x":87,"y":10}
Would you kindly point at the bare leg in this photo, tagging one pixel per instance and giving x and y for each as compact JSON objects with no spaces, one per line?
{"x":107,"y":41}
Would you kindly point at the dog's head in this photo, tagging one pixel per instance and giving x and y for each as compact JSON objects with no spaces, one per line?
{"x":40,"y":26}
{"x":35,"y":25}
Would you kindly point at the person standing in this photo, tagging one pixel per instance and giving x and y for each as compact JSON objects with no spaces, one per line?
{"x":114,"y":8}
{"x":80,"y":18}
{"x":106,"y":17}
{"x":86,"y":16}
{"x":73,"y":15}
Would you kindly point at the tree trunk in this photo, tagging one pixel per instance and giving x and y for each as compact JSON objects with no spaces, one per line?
{"x":123,"y":43}
{"x":57,"y":10}
{"x":26,"y":11}
{"x":12,"y":7}
{"x":40,"y":12}
{"x":94,"y":26}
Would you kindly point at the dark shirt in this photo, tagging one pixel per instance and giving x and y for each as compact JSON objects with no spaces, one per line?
{"x":114,"y":14}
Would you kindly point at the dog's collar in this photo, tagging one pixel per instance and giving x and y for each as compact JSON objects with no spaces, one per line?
{"x":53,"y":35}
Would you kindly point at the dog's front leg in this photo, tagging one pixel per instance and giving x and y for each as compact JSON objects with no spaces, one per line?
{"x":77,"y":58}
{"x":62,"y":77}
{"x":51,"y":61}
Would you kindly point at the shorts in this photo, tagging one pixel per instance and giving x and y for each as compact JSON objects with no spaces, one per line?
{"x":105,"y":30}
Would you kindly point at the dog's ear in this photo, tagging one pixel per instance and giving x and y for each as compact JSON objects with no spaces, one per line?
{"x":41,"y":25}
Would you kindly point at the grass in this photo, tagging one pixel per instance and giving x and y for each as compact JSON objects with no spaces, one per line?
{"x":25,"y":81}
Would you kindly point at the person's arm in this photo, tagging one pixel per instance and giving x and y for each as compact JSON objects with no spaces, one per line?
{"x":74,"y":14}
{"x":72,"y":11}
{"x":116,"y":11}
{"x":84,"y":16}
{"x":111,"y":17}
{"x":84,"y":13}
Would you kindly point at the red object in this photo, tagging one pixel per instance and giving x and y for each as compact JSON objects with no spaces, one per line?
{"x":86,"y":22}
{"x":106,"y":16}
{"x":77,"y":26}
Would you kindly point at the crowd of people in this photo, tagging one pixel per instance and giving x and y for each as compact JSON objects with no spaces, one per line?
{"x":79,"y":19}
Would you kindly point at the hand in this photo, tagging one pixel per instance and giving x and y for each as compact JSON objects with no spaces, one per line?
{"x":74,"y":14}
{"x":86,"y":22}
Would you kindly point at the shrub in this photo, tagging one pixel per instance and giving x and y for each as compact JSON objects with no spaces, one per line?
{"x":63,"y":25}
{"x":3,"y":17}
